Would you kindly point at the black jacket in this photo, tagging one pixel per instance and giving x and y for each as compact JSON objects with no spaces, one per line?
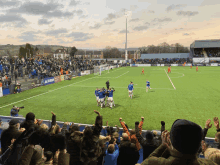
{"x":148,"y":146}
{"x":6,"y":137}
{"x":128,"y":153}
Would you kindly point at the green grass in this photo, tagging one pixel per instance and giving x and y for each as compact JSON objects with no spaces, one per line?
{"x":196,"y":97}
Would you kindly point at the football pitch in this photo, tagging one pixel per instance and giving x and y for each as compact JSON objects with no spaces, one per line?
{"x":196,"y":97}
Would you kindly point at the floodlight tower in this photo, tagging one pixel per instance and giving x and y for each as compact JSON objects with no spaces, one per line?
{"x":126,"y":51}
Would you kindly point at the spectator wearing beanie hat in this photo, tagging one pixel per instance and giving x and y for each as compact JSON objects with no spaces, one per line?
{"x":12,"y":132}
{"x":30,"y":122}
{"x":183,"y":143}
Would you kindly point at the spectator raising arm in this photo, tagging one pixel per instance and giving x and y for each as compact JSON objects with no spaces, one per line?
{"x":207,"y":126}
{"x":98,"y":124}
{"x":216,"y":123}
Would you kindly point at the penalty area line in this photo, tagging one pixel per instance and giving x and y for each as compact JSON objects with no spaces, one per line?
{"x":170,"y":79}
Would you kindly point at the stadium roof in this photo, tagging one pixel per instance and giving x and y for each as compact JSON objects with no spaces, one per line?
{"x":205,"y":44}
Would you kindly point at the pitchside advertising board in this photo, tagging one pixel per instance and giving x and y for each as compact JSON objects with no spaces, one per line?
{"x":49,"y":80}
{"x":86,"y":72}
{"x":1,"y":92}
{"x":174,"y":64}
{"x":214,"y":64}
{"x":200,"y":60}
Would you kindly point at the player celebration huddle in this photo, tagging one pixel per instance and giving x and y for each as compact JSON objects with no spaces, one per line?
{"x":103,"y":95}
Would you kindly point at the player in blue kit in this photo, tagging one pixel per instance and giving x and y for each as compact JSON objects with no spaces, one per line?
{"x":105,"y":93}
{"x":147,"y":85}
{"x":97,"y":96}
{"x":110,"y":97}
{"x":101,"y":98}
{"x":130,"y":90}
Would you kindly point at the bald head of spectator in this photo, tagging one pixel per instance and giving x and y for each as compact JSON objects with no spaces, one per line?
{"x":125,"y":136}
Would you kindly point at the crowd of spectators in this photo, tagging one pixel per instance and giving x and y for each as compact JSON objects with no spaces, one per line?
{"x":43,"y":67}
{"x":13,"y":68}
{"x":213,"y":52}
{"x":164,"y":61}
{"x":42,"y":145}
{"x":198,"y":53}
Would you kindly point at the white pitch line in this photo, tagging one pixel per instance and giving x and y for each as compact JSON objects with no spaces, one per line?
{"x":170,"y":79}
{"x":120,"y":87}
{"x":45,"y":93}
{"x":122,"y":74}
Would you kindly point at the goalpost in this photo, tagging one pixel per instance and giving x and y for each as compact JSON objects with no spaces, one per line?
{"x":99,"y":69}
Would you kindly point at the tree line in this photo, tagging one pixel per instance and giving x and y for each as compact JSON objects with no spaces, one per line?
{"x":112,"y":52}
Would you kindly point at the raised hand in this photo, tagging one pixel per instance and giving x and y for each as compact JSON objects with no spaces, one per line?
{"x":142,"y":118}
{"x":97,"y":112}
{"x":52,"y":113}
{"x":120,"y":119}
{"x":207,"y":124}
{"x":166,"y":138}
{"x":57,"y":153}
{"x":216,"y":122}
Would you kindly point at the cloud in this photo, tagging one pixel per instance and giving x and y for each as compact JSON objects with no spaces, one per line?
{"x":110,"y":17}
{"x":140,"y":28}
{"x":110,"y":23}
{"x":28,"y":36}
{"x":209,"y":2}
{"x":79,"y":12}
{"x":151,"y":11}
{"x":12,"y":18}
{"x":64,"y":42}
{"x":5,"y":3}
{"x":173,"y":7}
{"x":35,"y":8}
{"x":44,"y":22}
{"x":187,"y":13}
{"x":74,"y":3}
{"x":134,"y":20}
{"x":10,"y":36}
{"x":123,"y":31}
{"x":186,"y":34}
{"x":56,"y":32}
{"x":133,"y":7}
{"x":46,"y":41}
{"x":96,"y":26}
{"x":48,"y":10}
{"x":80,"y":36}
{"x":84,"y":16}
{"x":162,"y":20}
{"x":179,"y":29}
{"x":59,"y":14}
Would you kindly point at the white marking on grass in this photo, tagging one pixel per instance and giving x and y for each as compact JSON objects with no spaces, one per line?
{"x":170,"y":79}
{"x":122,"y":74}
{"x":120,"y":87}
{"x":44,"y":93}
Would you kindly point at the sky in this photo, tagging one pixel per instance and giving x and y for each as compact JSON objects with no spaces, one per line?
{"x":100,"y":23}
